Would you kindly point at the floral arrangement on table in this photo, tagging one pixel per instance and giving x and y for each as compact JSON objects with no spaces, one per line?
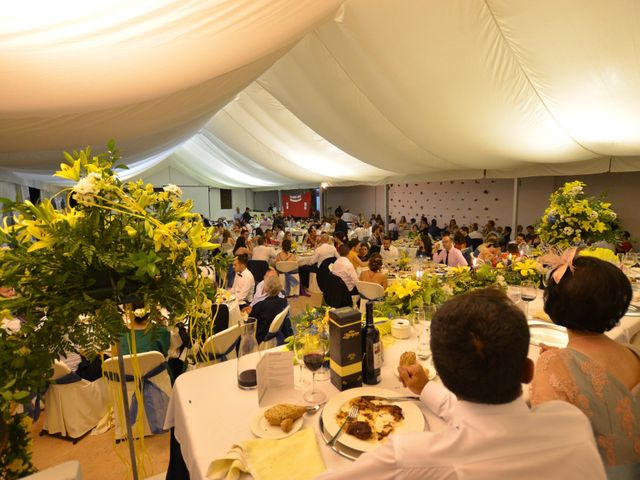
{"x":572,"y":218}
{"x":459,"y":280}
{"x":522,"y":269}
{"x":316,"y":318}
{"x":403,"y":263}
{"x":71,"y":270}
{"x":402,"y":296}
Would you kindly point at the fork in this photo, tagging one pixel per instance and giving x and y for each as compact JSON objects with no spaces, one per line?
{"x":353,"y":413}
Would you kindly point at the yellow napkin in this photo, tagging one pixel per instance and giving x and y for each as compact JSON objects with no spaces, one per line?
{"x":296,"y":456}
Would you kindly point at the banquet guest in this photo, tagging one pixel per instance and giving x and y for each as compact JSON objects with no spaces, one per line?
{"x":260,"y":293}
{"x":263,"y":252}
{"x":362,"y":231}
{"x":598,"y":375}
{"x":339,"y":238}
{"x":425,"y":247}
{"x":394,"y":231}
{"x":433,"y":229}
{"x":265,"y":223}
{"x":154,"y":339}
{"x":354,"y":247}
{"x":246,"y":216}
{"x":267,"y":309}
{"x":278,"y":234}
{"x":227,"y":240}
{"x":532,"y":237}
{"x":376,"y":236}
{"x":489,"y":248}
{"x":343,"y":268}
{"x":268,"y":237}
{"x":363,"y":252}
{"x":237,"y":217}
{"x":311,"y":239}
{"x":373,"y":274}
{"x":403,"y":223}
{"x":341,"y":225}
{"x":480,"y":342}
{"x":415,"y":232}
{"x":522,"y":244}
{"x":449,"y":255}
{"x":624,"y":245}
{"x":241,"y":247}
{"x":475,"y":234}
{"x":460,"y":243}
{"x":388,"y":251}
{"x":323,"y":251}
{"x":286,"y":255}
{"x":244,"y":283}
{"x":465,"y":232}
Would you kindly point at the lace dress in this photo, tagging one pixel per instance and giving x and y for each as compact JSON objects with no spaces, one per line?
{"x":613,"y":409}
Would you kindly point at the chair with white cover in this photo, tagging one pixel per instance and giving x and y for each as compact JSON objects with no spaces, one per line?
{"x":313,"y":283}
{"x":219,"y":347}
{"x":369,"y":291}
{"x":289,"y":277}
{"x":65,"y":471}
{"x":271,"y":339}
{"x":154,"y":384}
{"x":74,"y":405}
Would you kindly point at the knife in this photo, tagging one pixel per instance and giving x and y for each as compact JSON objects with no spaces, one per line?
{"x":390,"y":399}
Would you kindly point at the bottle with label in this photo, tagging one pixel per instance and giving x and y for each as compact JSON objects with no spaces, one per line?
{"x":371,"y":350}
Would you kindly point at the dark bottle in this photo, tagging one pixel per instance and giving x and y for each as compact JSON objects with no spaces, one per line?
{"x":371,"y":350}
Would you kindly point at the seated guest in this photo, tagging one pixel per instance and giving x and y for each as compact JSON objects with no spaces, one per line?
{"x":532,"y":238}
{"x":433,"y":229}
{"x":388,"y":251}
{"x":268,"y":237}
{"x":598,"y":375}
{"x":374,"y":275}
{"x":522,"y":244}
{"x":449,"y":255}
{"x":465,"y":232}
{"x":266,"y":310}
{"x":241,"y":247}
{"x":323,"y":251}
{"x":341,"y":225}
{"x":425,"y":247}
{"x":480,"y":342}
{"x":260,"y":292}
{"x":278,"y":234}
{"x":362,"y":231}
{"x":414,"y":232}
{"x":624,"y":245}
{"x":286,"y":255}
{"x":460,"y":242}
{"x":363,"y":252}
{"x":263,"y":252}
{"x":394,"y":230}
{"x":311,"y":239}
{"x":354,"y":248}
{"x":227,"y":240}
{"x":343,"y":268}
{"x":154,"y":339}
{"x":244,"y":282}
{"x":376,"y":236}
{"x":490,"y":244}
{"x":339,"y":238}
{"x":402,"y":225}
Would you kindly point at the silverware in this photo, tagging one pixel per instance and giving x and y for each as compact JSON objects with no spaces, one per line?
{"x":391,"y":399}
{"x":313,"y":409}
{"x":353,"y":413}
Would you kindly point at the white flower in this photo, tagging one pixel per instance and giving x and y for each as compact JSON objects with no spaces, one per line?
{"x":593,"y":215}
{"x":173,"y":189}
{"x":500,"y":281}
{"x":577,"y":189}
{"x":86,"y":187}
{"x":447,"y":290}
{"x":567,"y":230}
{"x":10,"y":325}
{"x":613,"y":215}
{"x":84,"y":319}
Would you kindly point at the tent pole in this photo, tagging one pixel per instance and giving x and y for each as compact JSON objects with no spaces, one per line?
{"x":386,"y":208}
{"x":514,"y":216}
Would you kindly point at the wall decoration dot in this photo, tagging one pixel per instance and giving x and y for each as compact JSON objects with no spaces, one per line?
{"x":486,"y":208}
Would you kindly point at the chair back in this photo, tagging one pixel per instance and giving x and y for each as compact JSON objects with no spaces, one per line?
{"x":146,"y":360}
{"x":286,"y":266}
{"x":337,"y":294}
{"x":60,"y":369}
{"x":278,"y":320}
{"x":370,"y":290}
{"x":258,"y":268}
{"x":324,"y":273}
{"x":221,"y":342}
{"x":220,"y":317}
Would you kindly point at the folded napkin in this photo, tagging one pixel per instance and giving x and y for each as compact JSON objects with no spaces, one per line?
{"x":296,"y":456}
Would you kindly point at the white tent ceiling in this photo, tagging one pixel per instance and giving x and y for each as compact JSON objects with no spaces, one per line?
{"x":284,"y":93}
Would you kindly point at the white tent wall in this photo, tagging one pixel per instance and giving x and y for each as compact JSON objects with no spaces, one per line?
{"x":261,"y":200}
{"x":362,"y":199}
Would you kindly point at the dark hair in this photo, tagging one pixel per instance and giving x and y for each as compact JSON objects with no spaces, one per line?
{"x":240,"y":242}
{"x":524,"y":237}
{"x":592,"y":298}
{"x":480,"y":342}
{"x":375,"y":262}
{"x":243,"y":259}
{"x":286,"y":245}
{"x":426,"y":241}
{"x":258,"y":232}
{"x":354,"y":242}
{"x":386,"y":237}
{"x":343,"y":250}
{"x":260,"y":240}
{"x":340,"y":235}
{"x":459,"y":238}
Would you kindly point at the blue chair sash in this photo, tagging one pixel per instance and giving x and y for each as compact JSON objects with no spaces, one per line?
{"x":223,"y":356}
{"x":67,"y":379}
{"x":155,"y":400}
{"x":290,"y":281}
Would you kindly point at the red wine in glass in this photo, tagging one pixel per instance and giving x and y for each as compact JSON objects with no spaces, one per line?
{"x":313,"y":361}
{"x":247,"y":379}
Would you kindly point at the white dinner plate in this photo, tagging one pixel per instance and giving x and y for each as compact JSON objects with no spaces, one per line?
{"x":413,"y":418}
{"x":263,"y":429}
{"x":547,"y":333}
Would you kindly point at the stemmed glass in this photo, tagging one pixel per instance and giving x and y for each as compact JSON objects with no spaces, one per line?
{"x":299,"y":341}
{"x":528,"y":293}
{"x":629,"y":259}
{"x":316,"y":347}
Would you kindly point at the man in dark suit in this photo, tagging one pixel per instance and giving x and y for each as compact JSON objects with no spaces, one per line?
{"x":265,"y":311}
{"x":341,"y":225}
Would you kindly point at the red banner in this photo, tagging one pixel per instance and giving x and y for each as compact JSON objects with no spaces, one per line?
{"x":296,"y":205}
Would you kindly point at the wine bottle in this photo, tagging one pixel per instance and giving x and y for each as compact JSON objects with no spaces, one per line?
{"x":371,"y":350}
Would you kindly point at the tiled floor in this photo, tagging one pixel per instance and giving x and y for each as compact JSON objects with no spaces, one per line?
{"x":100,"y":458}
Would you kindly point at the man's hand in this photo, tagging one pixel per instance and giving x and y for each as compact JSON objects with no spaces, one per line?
{"x":247,"y":309}
{"x":413,"y":377}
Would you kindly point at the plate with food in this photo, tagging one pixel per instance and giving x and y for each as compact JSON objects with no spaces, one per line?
{"x":278,"y":421}
{"x":410,"y":358}
{"x":377,"y":419}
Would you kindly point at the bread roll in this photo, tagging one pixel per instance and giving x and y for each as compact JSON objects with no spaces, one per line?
{"x":283,"y":415}
{"x":408,"y":358}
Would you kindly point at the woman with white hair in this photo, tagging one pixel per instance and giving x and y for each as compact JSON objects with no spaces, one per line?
{"x":266,"y":310}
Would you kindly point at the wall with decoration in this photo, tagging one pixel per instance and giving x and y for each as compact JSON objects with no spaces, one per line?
{"x":358,"y":199}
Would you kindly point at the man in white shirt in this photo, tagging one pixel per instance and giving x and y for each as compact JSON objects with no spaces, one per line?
{"x":237,"y":216}
{"x":344,"y":269}
{"x":449,"y":255}
{"x":278,"y":235}
{"x":388,"y":251}
{"x":480,"y":343}
{"x":323,"y":251}
{"x":263,"y":252}
{"x":244,"y":283}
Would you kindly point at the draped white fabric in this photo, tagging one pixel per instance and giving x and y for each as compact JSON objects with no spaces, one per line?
{"x":375,"y":91}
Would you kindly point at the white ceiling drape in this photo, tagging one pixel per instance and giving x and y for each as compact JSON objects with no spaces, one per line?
{"x":271,"y":94}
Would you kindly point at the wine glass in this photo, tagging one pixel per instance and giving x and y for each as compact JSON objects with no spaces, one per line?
{"x":298,"y":350}
{"x":629,"y":259}
{"x":514,"y":294}
{"x":315,"y":349}
{"x":528,"y":293}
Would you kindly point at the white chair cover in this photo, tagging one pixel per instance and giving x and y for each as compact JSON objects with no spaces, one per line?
{"x":147,"y":362}
{"x":219,"y":347}
{"x":65,"y":471}
{"x":276,"y":325}
{"x":369,"y":291}
{"x":73,"y":409}
{"x":289,"y":277}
